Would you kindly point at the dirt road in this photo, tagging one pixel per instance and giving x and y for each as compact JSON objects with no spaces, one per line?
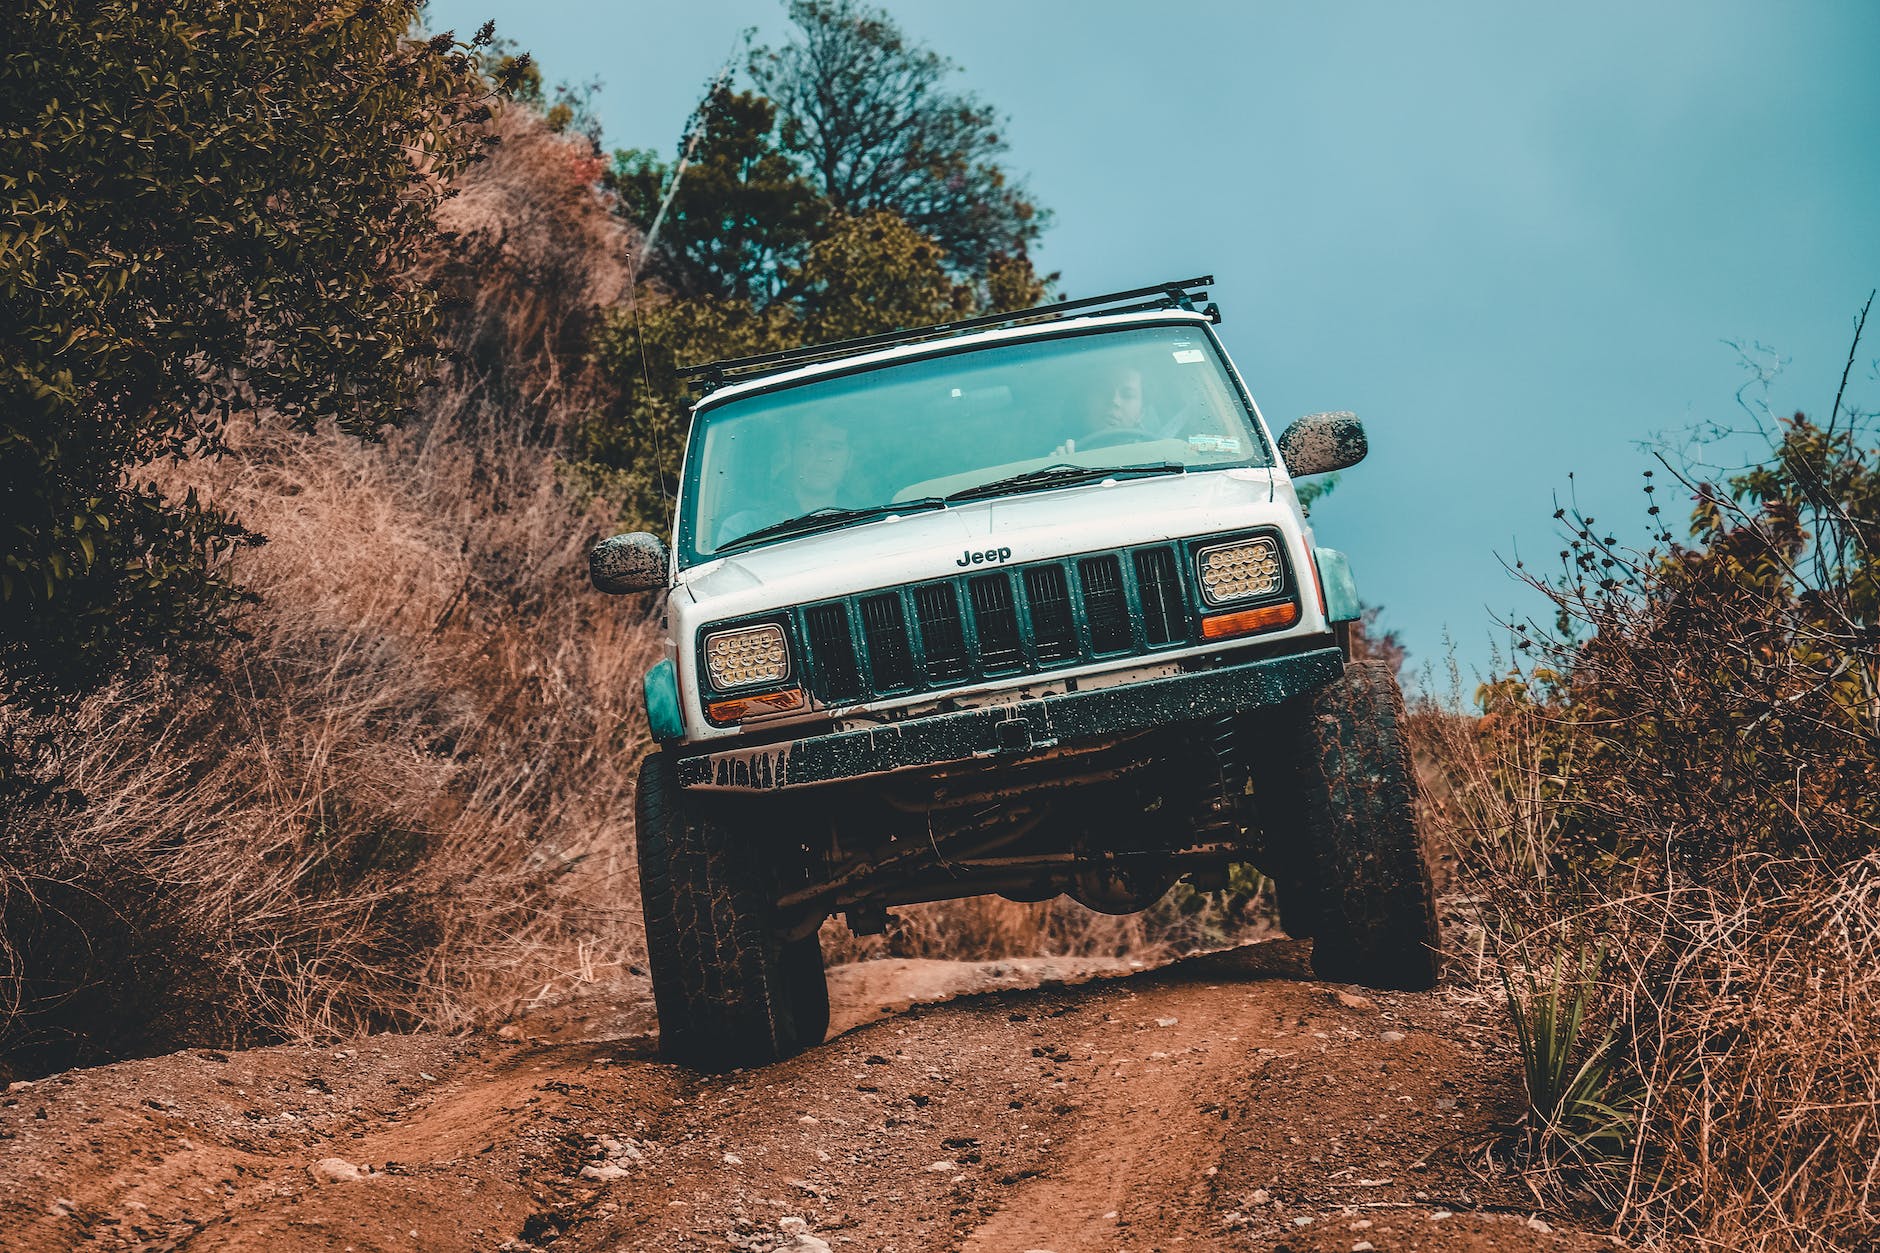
{"x":1225,"y":1101}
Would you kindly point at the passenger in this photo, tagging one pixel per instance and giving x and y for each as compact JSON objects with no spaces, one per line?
{"x":814,"y":478}
{"x":1115,"y":402}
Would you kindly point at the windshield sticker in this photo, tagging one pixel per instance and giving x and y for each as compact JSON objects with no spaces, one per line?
{"x":1215,"y":444}
{"x":1190,"y":356}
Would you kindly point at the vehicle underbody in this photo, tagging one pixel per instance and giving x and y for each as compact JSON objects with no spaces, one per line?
{"x":1019,"y":799}
{"x":1314,"y":790}
{"x":1112,"y":824}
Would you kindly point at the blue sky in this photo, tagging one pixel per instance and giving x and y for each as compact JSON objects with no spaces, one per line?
{"x":1514,"y":239}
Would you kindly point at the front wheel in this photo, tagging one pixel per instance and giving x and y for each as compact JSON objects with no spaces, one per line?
{"x":808,"y":989}
{"x":729,"y":989}
{"x":1345,"y":791}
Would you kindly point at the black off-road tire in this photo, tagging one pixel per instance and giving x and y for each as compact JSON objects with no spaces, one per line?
{"x":1296,"y":898}
{"x":729,"y":989}
{"x":1276,"y":742}
{"x":1359,"y":872}
{"x":808,"y":989}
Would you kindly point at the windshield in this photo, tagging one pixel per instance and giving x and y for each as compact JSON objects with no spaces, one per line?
{"x":926,"y":433}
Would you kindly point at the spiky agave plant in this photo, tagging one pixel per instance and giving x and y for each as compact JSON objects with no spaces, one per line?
{"x":1576,"y":1098}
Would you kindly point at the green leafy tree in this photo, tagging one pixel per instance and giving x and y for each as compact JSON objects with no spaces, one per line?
{"x":209,"y":210}
{"x":743,"y":217}
{"x":877,"y":127}
{"x":875,"y":272}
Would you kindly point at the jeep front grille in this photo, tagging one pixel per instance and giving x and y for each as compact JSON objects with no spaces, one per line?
{"x":889,"y":660}
{"x":1106,"y":605}
{"x":1000,"y":645}
{"x":1164,"y":608}
{"x":1053,"y":633}
{"x":832,"y":652}
{"x":942,"y":641}
{"x":993,"y":624}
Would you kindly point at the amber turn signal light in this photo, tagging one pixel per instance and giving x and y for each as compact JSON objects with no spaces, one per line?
{"x":1247,"y":621}
{"x":744,"y":706}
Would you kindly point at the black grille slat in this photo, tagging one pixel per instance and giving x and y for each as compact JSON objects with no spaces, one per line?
{"x":884,"y":630}
{"x":838,"y":676}
{"x":1018,"y":620}
{"x":1053,"y":631}
{"x":1159,"y":585}
{"x":942,"y":639}
{"x":1106,"y":604}
{"x":995,"y":615}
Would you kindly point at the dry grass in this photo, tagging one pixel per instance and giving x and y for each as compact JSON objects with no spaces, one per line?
{"x":1736,"y":1098}
{"x":1671,"y":821}
{"x":990,"y":928}
{"x":403,"y":800}
{"x":533,"y":260}
{"x":1757,"y":1056}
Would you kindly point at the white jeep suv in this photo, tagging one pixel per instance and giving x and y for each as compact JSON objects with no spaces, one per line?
{"x":1023,"y":604}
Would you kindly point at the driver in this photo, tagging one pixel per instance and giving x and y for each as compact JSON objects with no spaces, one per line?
{"x":819,"y":465}
{"x":1113,"y":411}
{"x":1114,"y":403}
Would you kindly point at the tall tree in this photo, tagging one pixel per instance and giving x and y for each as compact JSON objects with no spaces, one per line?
{"x":877,"y":126}
{"x":742,"y":216}
{"x":209,"y":209}
{"x":858,"y":195}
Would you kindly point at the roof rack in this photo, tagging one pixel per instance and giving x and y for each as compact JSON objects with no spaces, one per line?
{"x":1178,"y":295}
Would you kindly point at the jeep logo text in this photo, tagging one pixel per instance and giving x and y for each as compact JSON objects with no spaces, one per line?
{"x":992,"y":556}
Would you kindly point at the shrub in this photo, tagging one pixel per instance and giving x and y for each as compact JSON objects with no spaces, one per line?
{"x":209,"y":211}
{"x":401,"y":799}
{"x":1683,"y":778}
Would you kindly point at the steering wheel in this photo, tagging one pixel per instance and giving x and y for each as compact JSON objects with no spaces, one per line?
{"x":1117,"y":435}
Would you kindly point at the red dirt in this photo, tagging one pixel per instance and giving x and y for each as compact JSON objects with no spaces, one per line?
{"x":1224,"y":1101}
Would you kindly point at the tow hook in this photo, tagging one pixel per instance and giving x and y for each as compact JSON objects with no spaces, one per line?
{"x":1013,"y":735}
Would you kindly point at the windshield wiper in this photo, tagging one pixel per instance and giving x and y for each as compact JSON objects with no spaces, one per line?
{"x":828,"y":518}
{"x":1063,"y":475}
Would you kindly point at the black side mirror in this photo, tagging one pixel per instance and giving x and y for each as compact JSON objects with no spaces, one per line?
{"x":1322,"y":442}
{"x":635,"y":562}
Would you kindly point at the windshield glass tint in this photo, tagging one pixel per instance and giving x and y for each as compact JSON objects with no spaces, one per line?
{"x":929,"y":428}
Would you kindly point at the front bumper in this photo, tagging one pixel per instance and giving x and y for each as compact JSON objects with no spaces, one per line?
{"x":1014,"y":730}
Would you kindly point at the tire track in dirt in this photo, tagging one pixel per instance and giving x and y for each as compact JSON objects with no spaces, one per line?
{"x":1142,"y":1139}
{"x":1225,"y":1101}
{"x":1237,"y":1102}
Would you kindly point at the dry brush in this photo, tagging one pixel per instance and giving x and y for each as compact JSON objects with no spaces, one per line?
{"x":1671,"y":813}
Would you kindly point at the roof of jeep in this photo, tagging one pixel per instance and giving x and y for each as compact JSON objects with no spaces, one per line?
{"x":939,"y":347}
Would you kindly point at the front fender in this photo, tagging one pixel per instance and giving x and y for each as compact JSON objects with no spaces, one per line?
{"x":1337,"y":586}
{"x":661,"y":688}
